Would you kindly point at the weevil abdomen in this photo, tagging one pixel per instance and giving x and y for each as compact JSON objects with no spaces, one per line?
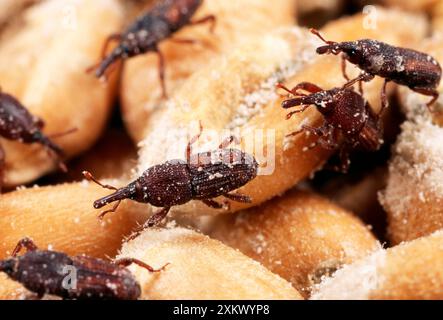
{"x":401,"y":65}
{"x":420,"y":69}
{"x":158,"y":24}
{"x":218,"y":172}
{"x":98,"y":279}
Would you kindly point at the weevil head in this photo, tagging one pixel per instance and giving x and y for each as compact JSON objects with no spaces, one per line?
{"x":39,"y":137}
{"x":8,"y":266}
{"x":353,"y":51}
{"x":107,"y":62}
{"x":330,"y":47}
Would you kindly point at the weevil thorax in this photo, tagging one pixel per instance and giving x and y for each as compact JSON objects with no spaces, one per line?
{"x":180,"y":12}
{"x":16,"y":122}
{"x":165,"y":185}
{"x":100,"y":279}
{"x":42,"y":271}
{"x":349,"y":113}
{"x":325,"y":101}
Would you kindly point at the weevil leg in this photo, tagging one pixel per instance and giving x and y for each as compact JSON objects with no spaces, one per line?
{"x":157,"y":217}
{"x":90,"y":177}
{"x":153,"y":221}
{"x":161,"y":71}
{"x":126,"y":262}
{"x":327,"y":140}
{"x":184,"y":41}
{"x":33,"y":296}
{"x":360,"y":87}
{"x":345,"y":162}
{"x":113,"y":209}
{"x":109,"y":39}
{"x":384,"y":98}
{"x":362,"y":77}
{"x":331,"y":133}
{"x":193,"y":140}
{"x":428,"y":92}
{"x":26,"y":243}
{"x":343,"y":68}
{"x":303,"y":109}
{"x":306,"y":86}
{"x":212,"y":204}
{"x":283,"y":87}
{"x":211,"y":19}
{"x":320,"y":132}
{"x":238,"y":197}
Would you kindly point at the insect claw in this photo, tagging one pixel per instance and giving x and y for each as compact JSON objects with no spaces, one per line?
{"x":164,"y":267}
{"x":283,"y":87}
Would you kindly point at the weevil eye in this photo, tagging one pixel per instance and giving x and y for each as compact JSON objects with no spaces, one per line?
{"x":353,"y":55}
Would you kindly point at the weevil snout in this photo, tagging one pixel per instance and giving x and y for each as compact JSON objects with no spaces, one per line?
{"x":299,"y":101}
{"x":100,"y":204}
{"x":128,"y":192}
{"x":332,"y":48}
{"x":38,"y":136}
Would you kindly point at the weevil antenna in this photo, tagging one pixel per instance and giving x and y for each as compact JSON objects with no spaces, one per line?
{"x":89,"y":176}
{"x":318,"y":34}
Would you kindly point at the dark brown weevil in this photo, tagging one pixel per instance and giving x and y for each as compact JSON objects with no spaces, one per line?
{"x":347,"y":118}
{"x":416,"y":70}
{"x":17,"y":123}
{"x":145,"y":34}
{"x":203,"y":176}
{"x":80,"y":277}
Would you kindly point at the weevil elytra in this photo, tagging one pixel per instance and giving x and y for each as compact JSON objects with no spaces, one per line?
{"x":347,"y":117}
{"x":46,"y":272}
{"x":203,"y":176}
{"x":148,"y":31}
{"x":416,"y":70}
